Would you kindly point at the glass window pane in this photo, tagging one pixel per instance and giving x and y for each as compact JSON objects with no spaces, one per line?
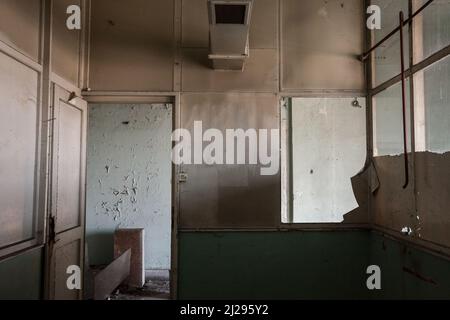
{"x":18,"y":120}
{"x":328,"y":149}
{"x":388,"y":121}
{"x":433,"y":107}
{"x":387,"y":56}
{"x":432,"y":161}
{"x":431,"y":28}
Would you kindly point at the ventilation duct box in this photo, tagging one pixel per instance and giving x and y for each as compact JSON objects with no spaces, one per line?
{"x":229,"y":26}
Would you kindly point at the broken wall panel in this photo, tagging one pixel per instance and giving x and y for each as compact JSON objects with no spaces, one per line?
{"x":321,"y":41}
{"x":66,"y":44}
{"x":132,"y":45}
{"x":260,"y":73}
{"x":392,"y":206}
{"x":326,"y":154}
{"x":360,"y":183}
{"x":229,"y":196}
{"x":263,"y":25}
{"x":110,"y":278}
{"x":20,"y":25}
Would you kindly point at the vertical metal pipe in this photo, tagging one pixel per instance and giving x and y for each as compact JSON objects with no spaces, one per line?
{"x":405,"y":137}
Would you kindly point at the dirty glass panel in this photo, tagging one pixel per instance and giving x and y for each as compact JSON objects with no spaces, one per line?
{"x":436,"y":80}
{"x":432,"y":159}
{"x":18,"y":141}
{"x":431,"y":28}
{"x":328,"y":149}
{"x":387,"y":56}
{"x":388,"y":121}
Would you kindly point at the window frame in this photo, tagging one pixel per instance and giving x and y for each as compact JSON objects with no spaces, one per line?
{"x":285,"y":115}
{"x":416,"y":67}
{"x":38,"y":227}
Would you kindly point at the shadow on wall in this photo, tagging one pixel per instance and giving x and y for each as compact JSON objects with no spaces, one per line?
{"x":21,"y":276}
{"x":102,"y":253}
{"x":393,"y":205}
{"x":359,"y":186}
{"x":408,"y":273}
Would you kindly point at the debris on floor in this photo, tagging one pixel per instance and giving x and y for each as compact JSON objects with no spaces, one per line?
{"x":152,"y":290}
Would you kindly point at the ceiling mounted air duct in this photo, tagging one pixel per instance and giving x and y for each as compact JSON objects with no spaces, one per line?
{"x":229,"y":26}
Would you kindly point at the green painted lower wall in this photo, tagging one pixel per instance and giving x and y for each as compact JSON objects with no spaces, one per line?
{"x":273,"y":265}
{"x":20,"y":276}
{"x":277,"y":265}
{"x":305,"y":265}
{"x":407,"y":272}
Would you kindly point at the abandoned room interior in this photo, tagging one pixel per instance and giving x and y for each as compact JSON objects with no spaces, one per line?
{"x":224,"y":149}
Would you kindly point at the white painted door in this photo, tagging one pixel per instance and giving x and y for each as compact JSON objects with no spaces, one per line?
{"x":65,"y":246}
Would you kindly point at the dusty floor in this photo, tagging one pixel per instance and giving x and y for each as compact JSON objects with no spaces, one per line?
{"x":152,"y":290}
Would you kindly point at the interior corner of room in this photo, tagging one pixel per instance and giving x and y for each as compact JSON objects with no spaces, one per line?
{"x":86,"y":149}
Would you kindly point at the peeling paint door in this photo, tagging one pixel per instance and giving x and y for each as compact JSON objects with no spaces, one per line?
{"x":65,"y":246}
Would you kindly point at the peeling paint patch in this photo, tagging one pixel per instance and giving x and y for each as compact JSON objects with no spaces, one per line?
{"x":129,"y":176}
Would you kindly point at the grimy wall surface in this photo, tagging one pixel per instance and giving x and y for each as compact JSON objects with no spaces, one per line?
{"x":19,"y":280}
{"x":162,"y":46}
{"x":296,"y":47}
{"x":274,"y":265}
{"x":408,"y":272}
{"x":305,"y":47}
{"x":423,"y":205}
{"x":21,"y":30}
{"x":21,"y":276}
{"x":306,"y":265}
